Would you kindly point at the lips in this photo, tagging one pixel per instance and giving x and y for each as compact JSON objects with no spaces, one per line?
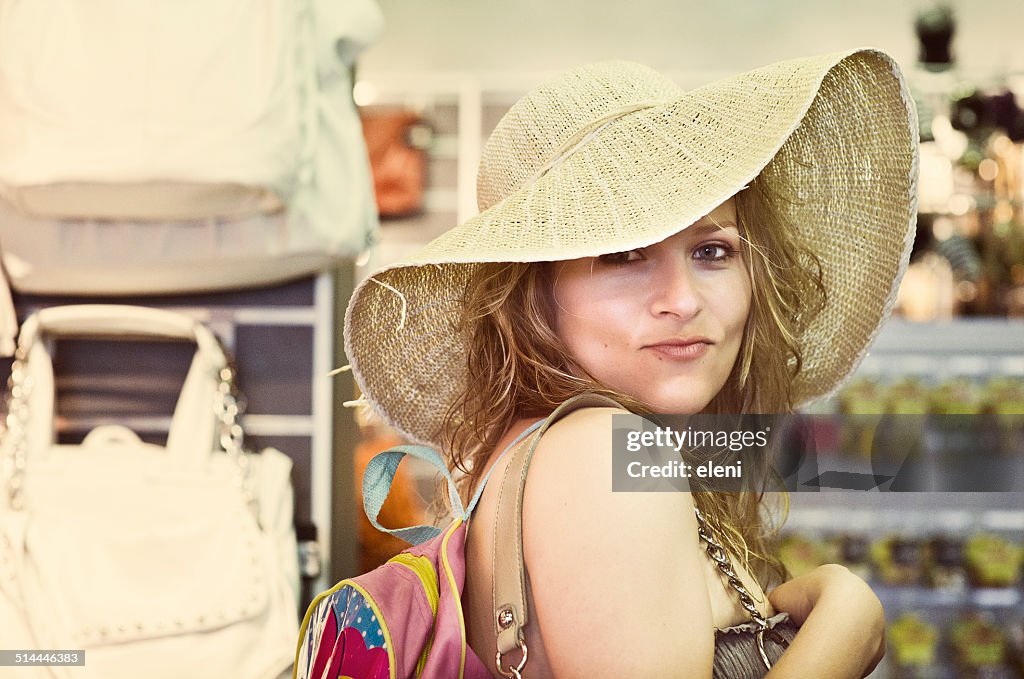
{"x":681,"y":349}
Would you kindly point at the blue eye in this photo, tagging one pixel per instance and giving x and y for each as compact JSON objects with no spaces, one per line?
{"x":714,"y":252}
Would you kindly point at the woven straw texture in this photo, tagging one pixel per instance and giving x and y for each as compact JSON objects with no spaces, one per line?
{"x":613,"y":156}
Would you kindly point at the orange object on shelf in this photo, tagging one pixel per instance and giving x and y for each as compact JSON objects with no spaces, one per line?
{"x":402,"y":508}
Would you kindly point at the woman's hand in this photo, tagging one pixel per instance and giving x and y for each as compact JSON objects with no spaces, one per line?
{"x":842,"y":624}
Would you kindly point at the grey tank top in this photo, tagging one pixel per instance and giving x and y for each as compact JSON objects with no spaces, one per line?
{"x":736,"y":651}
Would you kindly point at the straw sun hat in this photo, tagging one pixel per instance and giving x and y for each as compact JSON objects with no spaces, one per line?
{"x":613,"y":156}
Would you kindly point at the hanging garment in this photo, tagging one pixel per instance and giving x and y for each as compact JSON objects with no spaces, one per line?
{"x":175,"y":146}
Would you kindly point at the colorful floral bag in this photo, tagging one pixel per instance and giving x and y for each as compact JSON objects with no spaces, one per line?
{"x":405,"y":618}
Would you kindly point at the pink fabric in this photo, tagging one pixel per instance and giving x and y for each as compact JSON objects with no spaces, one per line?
{"x":399,"y":596}
{"x":450,"y":634}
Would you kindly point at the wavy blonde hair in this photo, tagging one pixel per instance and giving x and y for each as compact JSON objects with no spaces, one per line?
{"x":517,"y":366}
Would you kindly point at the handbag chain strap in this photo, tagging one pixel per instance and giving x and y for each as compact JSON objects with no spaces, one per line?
{"x":720,"y":556}
{"x":18,"y":386}
{"x":227,"y":409}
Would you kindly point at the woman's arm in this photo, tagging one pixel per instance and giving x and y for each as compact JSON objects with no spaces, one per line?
{"x":616,"y":578}
{"x":843,"y":625}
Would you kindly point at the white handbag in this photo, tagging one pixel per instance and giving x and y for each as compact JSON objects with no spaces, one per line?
{"x":175,"y":561}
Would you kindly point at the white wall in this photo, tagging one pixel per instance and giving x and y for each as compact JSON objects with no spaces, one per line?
{"x":677,"y":36}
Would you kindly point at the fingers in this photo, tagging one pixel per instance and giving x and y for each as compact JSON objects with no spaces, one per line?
{"x":793,"y":597}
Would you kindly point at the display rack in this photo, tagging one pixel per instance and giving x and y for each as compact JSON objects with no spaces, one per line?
{"x":285,"y":344}
{"x":932,"y":353}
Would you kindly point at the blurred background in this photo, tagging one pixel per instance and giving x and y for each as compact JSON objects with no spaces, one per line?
{"x":947,"y":566}
{"x":416,"y":87}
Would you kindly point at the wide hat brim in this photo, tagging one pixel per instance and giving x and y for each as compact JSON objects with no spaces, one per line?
{"x":839,"y":131}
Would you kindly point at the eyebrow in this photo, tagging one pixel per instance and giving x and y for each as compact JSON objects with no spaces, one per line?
{"x":706,"y":227}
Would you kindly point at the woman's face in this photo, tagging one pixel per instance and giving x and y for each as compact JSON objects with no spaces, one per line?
{"x":663,"y":323}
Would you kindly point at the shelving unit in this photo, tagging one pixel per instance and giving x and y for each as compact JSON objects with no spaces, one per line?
{"x":285,"y":343}
{"x":933,"y":353}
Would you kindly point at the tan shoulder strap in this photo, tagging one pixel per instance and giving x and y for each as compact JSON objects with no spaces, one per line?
{"x":509,"y":569}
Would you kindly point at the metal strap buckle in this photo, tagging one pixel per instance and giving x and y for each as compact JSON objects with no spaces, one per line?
{"x":514,"y":672}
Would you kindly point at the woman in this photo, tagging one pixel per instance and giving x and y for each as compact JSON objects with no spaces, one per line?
{"x":731,"y":249}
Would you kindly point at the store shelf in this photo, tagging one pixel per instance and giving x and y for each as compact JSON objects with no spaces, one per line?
{"x":915,"y":597}
{"x":962,"y":336}
{"x":946,"y":349}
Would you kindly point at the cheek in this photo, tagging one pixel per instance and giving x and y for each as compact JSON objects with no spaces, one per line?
{"x":588,"y":327}
{"x":589,"y":323}
{"x":732,"y":305}
{"x":572,"y":300}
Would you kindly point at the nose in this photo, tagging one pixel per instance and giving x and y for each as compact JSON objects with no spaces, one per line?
{"x":675,"y":290}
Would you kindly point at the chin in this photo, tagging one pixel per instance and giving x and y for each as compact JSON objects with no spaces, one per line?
{"x":673,"y":405}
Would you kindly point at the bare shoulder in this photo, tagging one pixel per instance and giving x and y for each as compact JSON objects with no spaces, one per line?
{"x":572,"y":468}
{"x":611,"y":571}
{"x":570,"y":481}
